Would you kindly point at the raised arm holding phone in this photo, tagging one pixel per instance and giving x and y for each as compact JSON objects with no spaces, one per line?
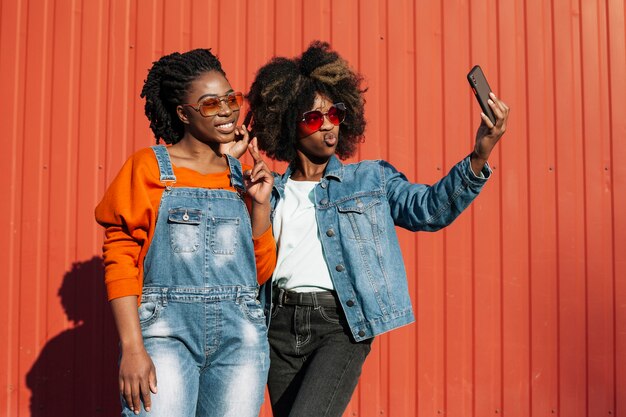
{"x":339,"y":279}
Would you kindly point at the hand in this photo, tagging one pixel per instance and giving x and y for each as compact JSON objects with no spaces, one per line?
{"x":258,"y":180}
{"x":237,"y":147}
{"x":488,"y":134}
{"x":137,"y":379}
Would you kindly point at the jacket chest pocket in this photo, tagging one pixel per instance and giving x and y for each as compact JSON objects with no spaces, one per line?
{"x":224,"y":234}
{"x":360,"y":218}
{"x":184,"y":225}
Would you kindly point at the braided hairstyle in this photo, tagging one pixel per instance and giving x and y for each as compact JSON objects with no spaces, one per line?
{"x":285,"y":88}
{"x":167,"y":85}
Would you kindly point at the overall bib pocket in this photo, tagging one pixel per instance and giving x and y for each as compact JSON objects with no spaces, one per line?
{"x":184,"y":225}
{"x":224,"y":232}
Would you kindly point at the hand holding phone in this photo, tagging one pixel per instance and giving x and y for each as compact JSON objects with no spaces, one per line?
{"x":481,"y":90}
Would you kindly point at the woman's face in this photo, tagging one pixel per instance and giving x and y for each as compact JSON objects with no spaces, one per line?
{"x":217,"y":128}
{"x":321,"y":144}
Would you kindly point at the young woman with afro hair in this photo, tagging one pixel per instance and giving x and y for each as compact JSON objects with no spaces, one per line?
{"x":339,"y":279}
{"x":184,"y":226}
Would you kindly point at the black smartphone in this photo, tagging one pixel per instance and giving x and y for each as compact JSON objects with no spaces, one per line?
{"x":481,"y":90}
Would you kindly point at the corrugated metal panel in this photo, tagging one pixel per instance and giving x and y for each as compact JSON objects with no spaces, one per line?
{"x":521,"y":303}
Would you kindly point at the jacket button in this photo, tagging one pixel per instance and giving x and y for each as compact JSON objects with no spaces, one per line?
{"x":324,"y":201}
{"x":340,"y":268}
{"x":361,"y":333}
{"x":323,"y":184}
{"x":330,"y":233}
{"x":349,"y":303}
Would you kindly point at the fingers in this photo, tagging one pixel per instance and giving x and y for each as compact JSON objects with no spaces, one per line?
{"x":147,"y":401}
{"x":241,"y":133}
{"x":237,"y":147}
{"x":149,"y":386}
{"x":137,"y":390}
{"x":500,"y":110}
{"x":253,"y":149}
{"x":259,"y":171}
{"x":131,"y":395}
{"x":499,"y":107}
{"x":126,"y":392}
{"x":153,"y":381}
{"x":258,"y":180}
{"x":487,"y":120}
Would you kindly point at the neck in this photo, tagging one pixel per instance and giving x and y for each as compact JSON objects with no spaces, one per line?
{"x":199,"y":156}
{"x":308,"y":169}
{"x":197,"y":149}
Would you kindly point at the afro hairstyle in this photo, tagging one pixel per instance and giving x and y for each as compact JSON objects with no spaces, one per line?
{"x":284,"y":89}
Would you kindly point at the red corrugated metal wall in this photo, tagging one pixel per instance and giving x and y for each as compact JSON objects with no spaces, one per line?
{"x":521,"y":303}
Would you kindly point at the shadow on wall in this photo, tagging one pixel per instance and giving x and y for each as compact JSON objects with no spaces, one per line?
{"x":76,"y":372}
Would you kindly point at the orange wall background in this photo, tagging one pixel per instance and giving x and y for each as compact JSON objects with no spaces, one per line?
{"x":521,"y":303}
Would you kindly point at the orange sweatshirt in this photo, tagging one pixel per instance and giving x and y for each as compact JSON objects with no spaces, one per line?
{"x":128,"y":212}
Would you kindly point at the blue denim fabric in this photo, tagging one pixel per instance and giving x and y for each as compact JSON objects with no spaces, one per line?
{"x":201,"y":321}
{"x":357,"y":207}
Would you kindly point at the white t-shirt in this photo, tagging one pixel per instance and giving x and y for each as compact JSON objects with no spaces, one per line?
{"x":300,"y":265}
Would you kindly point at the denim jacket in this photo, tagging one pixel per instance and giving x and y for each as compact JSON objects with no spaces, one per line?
{"x":357,"y":207}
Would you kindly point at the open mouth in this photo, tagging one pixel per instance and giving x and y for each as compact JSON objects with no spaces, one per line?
{"x":227,"y":127}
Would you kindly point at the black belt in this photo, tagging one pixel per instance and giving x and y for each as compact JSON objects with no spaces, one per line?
{"x":313,"y":299}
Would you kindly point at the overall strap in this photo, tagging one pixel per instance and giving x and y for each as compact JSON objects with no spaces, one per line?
{"x":165,"y":165}
{"x":236,"y":174}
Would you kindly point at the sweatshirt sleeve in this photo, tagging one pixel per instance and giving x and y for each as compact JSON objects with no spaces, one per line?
{"x":264,"y":247}
{"x":265,"y":255}
{"x":127,"y":215}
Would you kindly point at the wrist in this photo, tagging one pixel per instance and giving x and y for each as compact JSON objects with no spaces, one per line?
{"x":261,"y":204}
{"x":477,"y":163}
{"x":478,"y":157}
{"x":132,"y":346}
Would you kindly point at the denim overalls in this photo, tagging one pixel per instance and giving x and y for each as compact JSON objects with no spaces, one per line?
{"x":200,"y":319}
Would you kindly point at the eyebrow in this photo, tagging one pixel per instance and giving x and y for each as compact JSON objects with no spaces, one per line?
{"x":216,"y":95}
{"x":320,"y":108}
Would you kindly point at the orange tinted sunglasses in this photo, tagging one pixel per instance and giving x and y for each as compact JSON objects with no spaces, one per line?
{"x":210,"y":106}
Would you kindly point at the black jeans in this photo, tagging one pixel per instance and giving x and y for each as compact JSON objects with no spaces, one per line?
{"x":315,"y":364}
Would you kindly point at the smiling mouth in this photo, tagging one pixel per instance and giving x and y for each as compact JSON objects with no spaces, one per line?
{"x":225,"y":127}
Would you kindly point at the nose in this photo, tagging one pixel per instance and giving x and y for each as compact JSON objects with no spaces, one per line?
{"x":327,"y":124}
{"x":225,"y":109}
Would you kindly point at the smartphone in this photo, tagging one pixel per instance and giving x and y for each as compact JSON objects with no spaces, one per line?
{"x":481,"y":90}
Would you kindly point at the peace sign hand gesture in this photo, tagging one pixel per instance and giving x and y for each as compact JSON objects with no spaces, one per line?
{"x":258,"y":180}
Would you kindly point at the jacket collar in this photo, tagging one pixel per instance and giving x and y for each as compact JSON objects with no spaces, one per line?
{"x":334,"y":169}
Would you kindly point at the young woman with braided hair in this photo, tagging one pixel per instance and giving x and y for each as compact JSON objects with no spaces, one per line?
{"x":339,"y":279}
{"x":184,"y":226}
